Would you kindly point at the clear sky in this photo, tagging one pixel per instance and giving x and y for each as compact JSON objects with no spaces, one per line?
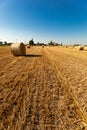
{"x":43,"y":20}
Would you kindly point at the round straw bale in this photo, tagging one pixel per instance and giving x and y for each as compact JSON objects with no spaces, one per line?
{"x":18,"y":49}
{"x":81,"y":48}
{"x":42,"y":46}
{"x":28,"y":46}
{"x":66,"y":46}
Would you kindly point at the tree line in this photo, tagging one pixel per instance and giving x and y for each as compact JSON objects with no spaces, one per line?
{"x":51,"y":43}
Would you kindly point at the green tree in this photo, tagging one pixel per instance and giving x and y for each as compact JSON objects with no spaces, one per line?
{"x":51,"y":43}
{"x":31,"y":42}
{"x":5,"y":43}
{"x":61,"y":44}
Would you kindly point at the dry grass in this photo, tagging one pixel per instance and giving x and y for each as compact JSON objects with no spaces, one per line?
{"x":85,"y":48}
{"x":46,"y":90}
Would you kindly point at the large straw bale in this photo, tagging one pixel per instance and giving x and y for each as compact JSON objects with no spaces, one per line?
{"x":18,"y":49}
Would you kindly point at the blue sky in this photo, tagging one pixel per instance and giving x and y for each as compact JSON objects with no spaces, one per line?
{"x":43,"y":20}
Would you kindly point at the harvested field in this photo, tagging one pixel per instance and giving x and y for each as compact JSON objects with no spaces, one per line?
{"x":44,"y":90}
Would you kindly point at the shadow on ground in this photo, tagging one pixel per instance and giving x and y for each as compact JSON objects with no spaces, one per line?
{"x":32,"y":55}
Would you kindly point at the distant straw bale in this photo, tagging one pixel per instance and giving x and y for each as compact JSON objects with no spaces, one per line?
{"x":18,"y":49}
{"x":28,"y":46}
{"x":80,"y":48}
{"x":66,"y":46}
{"x":42,"y":46}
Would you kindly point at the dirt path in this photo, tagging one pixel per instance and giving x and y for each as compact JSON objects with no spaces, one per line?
{"x":37,"y":92}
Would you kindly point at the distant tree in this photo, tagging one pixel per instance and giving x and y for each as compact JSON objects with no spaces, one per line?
{"x":77,"y":44}
{"x":57,"y":44}
{"x":31,"y":42}
{"x":1,"y":43}
{"x":5,"y":43}
{"x":51,"y":43}
{"x":9,"y":44}
{"x":61,"y":44}
{"x":38,"y":43}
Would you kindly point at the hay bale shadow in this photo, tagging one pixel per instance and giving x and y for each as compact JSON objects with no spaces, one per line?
{"x":32,"y":55}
